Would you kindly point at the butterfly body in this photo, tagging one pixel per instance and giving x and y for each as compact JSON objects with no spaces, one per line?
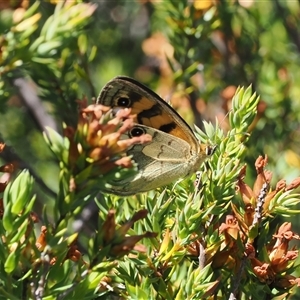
{"x":173,"y":152}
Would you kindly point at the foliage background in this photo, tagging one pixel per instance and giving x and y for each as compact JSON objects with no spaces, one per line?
{"x":213,"y":46}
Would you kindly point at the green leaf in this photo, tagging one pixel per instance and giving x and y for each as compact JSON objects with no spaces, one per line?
{"x":55,"y":141}
{"x":82,"y":43}
{"x":32,"y":9}
{"x":21,"y":191}
{"x":20,"y":231}
{"x":93,"y":53}
{"x":47,"y":47}
{"x":28,"y":32}
{"x":36,"y":43}
{"x":11,"y":262}
{"x":8,"y":218}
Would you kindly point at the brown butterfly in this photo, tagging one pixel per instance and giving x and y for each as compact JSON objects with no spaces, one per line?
{"x":174,"y":151}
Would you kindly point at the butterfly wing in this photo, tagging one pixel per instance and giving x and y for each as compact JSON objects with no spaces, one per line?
{"x":160,"y":162}
{"x":149,"y":108}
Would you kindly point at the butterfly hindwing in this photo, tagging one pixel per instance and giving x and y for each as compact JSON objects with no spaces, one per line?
{"x":160,"y":162}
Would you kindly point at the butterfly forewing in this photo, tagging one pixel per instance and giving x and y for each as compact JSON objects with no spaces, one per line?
{"x":149,"y":108}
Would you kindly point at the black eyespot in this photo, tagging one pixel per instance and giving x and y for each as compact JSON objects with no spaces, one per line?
{"x":137,"y":131}
{"x":123,"y":102}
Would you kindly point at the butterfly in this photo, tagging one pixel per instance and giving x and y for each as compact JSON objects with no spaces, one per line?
{"x":174,"y":151}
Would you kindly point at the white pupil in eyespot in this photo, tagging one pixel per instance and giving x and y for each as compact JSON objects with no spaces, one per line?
{"x":123,"y":101}
{"x":136,"y":131}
